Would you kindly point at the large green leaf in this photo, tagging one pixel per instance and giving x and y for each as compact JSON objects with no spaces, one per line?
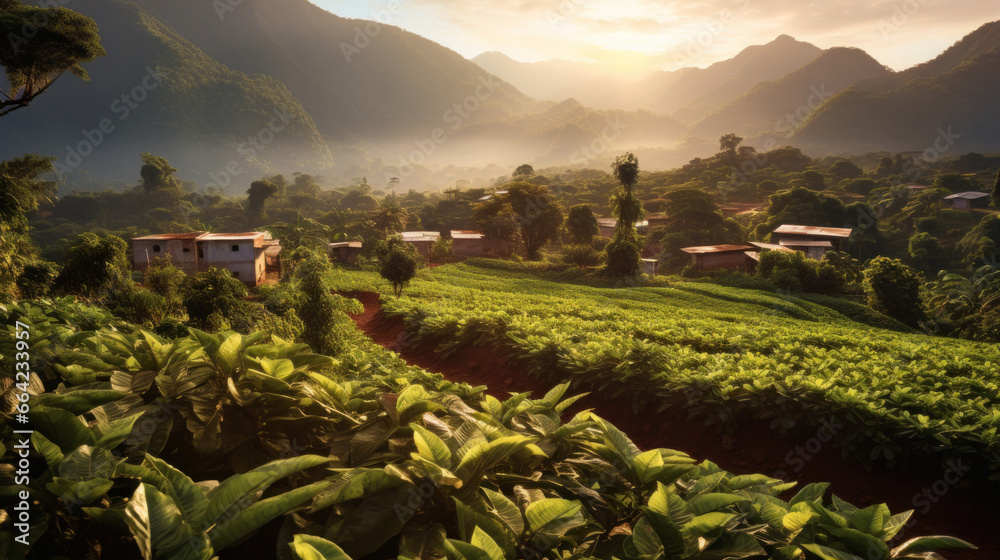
{"x":354,"y":484}
{"x":309,"y":547}
{"x":647,"y":465}
{"x":668,"y":503}
{"x":53,"y":455}
{"x":431,"y":447}
{"x":79,"y":492}
{"x":158,"y":527}
{"x":422,"y":542}
{"x":553,"y":517}
{"x":706,"y":503}
{"x":826,"y":553}
{"x":670,"y":535}
{"x":188,"y":496}
{"x":229,"y":530}
{"x":706,"y":523}
{"x":484,"y":456}
{"x":378,"y":518}
{"x":483,"y":541}
{"x":811,"y":493}
{"x":235,"y":495}
{"x":78,"y":402}
{"x":506,"y":511}
{"x":61,"y":428}
{"x":929,"y":544}
{"x":110,"y":434}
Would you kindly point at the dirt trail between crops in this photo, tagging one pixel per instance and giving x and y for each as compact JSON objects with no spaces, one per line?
{"x":963,"y":506}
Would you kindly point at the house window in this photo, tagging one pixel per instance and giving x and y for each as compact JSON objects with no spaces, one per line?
{"x":156,"y":248}
{"x":187,"y":250}
{"x":235,"y":247}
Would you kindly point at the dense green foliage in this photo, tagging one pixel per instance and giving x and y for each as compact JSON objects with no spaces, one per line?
{"x":625,"y":250}
{"x":740,"y":353}
{"x":181,"y":448}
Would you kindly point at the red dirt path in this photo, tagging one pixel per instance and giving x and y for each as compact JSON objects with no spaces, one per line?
{"x":966,"y":509}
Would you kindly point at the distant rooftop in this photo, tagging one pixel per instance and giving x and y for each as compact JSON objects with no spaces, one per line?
{"x":715,"y":249}
{"x":813,"y":230}
{"x":351,"y":244}
{"x":771,"y":247}
{"x":412,"y":236}
{"x":969,"y":195}
{"x":806,"y":243}
{"x":172,"y":236}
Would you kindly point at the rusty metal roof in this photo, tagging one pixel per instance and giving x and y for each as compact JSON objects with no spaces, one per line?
{"x":171,"y":236}
{"x":969,"y":195}
{"x":715,"y":249}
{"x":789,"y":243}
{"x":771,"y":247}
{"x":813,"y":230}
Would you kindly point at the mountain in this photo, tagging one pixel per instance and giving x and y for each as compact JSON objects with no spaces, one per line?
{"x":949,"y":105}
{"x":360,"y":80}
{"x":699,"y":91}
{"x":778,"y":106}
{"x":156,"y":92}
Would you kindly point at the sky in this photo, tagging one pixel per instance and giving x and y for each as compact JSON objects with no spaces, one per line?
{"x":667,"y":34}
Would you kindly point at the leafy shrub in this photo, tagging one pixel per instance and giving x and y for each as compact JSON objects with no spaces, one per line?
{"x":582,"y":256}
{"x":894,"y":289}
{"x":442,"y":249}
{"x":93,"y":264}
{"x":36,"y":279}
{"x":324,"y":319}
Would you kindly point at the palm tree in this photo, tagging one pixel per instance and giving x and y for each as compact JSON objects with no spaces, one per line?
{"x":390,"y":217}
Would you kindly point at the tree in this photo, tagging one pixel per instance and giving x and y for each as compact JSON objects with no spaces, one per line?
{"x":523,"y":171}
{"x":894,"y":289}
{"x":729,"y":148}
{"x":844,"y":170}
{"x":538,"y":215}
{"x":22,"y":190}
{"x":398,"y":261}
{"x":38,"y":46}
{"x":925,"y":251}
{"x":504,"y":227}
{"x":995,"y":195}
{"x":157,"y":174}
{"x":258,"y":194}
{"x":390,"y":217}
{"x":624,"y":252}
{"x":322,"y":313}
{"x":581,"y":224}
{"x":95,"y":264}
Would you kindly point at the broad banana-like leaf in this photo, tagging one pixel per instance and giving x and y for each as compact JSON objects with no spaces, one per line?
{"x":53,"y":455}
{"x":646,"y":466}
{"x":309,"y":547}
{"x":704,"y":524}
{"x":914,"y":547}
{"x":485,"y":456}
{"x":553,"y":517}
{"x":431,"y":447}
{"x":483,"y":541}
{"x":159,"y":529}
{"x":670,"y":535}
{"x":422,"y":542}
{"x":862,"y":544}
{"x":77,"y":402}
{"x":706,"y":503}
{"x":355,"y":484}
{"x":797,"y":520}
{"x":229,"y":530}
{"x":188,"y":496}
{"x":61,"y":428}
{"x":235,"y":495}
{"x":110,"y":434}
{"x":87,"y":462}
{"x":870,"y":520}
{"x":811,"y":493}
{"x":668,"y":503}
{"x":79,"y":492}
{"x":826,"y":553}
{"x":458,"y":550}
{"x":378,"y":518}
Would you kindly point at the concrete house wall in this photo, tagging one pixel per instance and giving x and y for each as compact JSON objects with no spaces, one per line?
{"x":183,"y":253}
{"x":246,"y":262}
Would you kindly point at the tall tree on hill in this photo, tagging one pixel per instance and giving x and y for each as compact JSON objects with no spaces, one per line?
{"x":729,"y":148}
{"x":537,"y":213}
{"x":624,"y":251}
{"x":258,"y":194}
{"x":21,"y":191}
{"x":995,"y":195}
{"x":582,"y":225}
{"x":38,"y":46}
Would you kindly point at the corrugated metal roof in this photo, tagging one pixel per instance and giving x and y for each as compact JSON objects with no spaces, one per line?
{"x":234,"y":236}
{"x":969,"y":195}
{"x":351,"y":244}
{"x":412,"y":236}
{"x":771,"y":247}
{"x":715,"y":249}
{"x":813,"y":230}
{"x":172,"y":236}
{"x":787,"y":243}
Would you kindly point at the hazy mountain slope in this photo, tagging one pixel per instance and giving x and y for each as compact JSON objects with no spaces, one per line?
{"x":779,"y":105}
{"x":699,"y":91}
{"x":980,"y":41}
{"x":596,"y":85}
{"x":192,"y":109}
{"x":958,"y":111}
{"x":385,"y":84}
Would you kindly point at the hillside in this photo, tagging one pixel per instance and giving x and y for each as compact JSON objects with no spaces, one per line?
{"x":397,"y":84}
{"x":192,"y":109}
{"x":766,"y":108}
{"x":954,"y":112}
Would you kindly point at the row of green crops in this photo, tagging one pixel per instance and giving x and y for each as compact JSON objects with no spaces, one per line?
{"x":726,"y":354}
{"x":181,"y":449}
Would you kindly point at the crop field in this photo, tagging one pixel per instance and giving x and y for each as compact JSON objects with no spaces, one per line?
{"x":725,"y":354}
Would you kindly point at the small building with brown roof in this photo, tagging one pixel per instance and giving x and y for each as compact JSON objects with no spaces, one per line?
{"x":243,"y":254}
{"x":346,"y":251}
{"x":968,"y":200}
{"x":181,"y":247}
{"x":789,"y":235}
{"x":719,"y":257}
